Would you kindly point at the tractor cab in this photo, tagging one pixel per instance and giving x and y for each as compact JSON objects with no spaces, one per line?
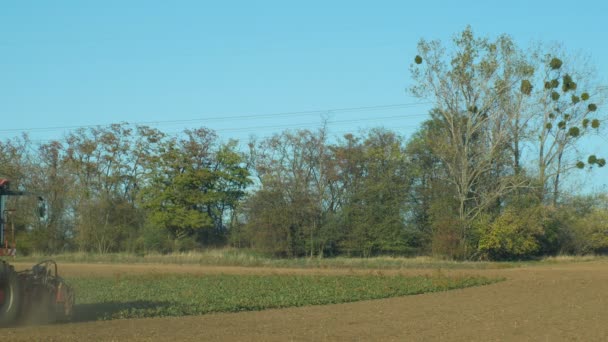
{"x":6,"y":248}
{"x":7,"y":232}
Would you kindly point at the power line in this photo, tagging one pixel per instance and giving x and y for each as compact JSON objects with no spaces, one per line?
{"x":253,"y":129}
{"x":329,"y":122}
{"x":237,"y":117}
{"x":339,"y":131}
{"x":227,"y":118}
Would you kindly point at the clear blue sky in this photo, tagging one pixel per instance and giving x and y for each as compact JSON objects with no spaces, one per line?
{"x":74,"y":63}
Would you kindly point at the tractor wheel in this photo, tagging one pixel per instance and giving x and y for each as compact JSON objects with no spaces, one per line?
{"x":9,"y":294}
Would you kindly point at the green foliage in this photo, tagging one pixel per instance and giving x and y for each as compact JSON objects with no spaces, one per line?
{"x":591,"y":232}
{"x":555,"y":63}
{"x":288,"y":214}
{"x":558,"y":237}
{"x":124,"y":188}
{"x":447,"y":232}
{"x":104,"y":224}
{"x":427,"y":185}
{"x":513,"y":234}
{"x":557,"y":147}
{"x":526,"y":87}
{"x":295,"y":213}
{"x":524,"y":69}
{"x":372,"y":211}
{"x":568,"y":84}
{"x":574,"y":132}
{"x":274,"y":225}
{"x":554,"y":83}
{"x":155,"y":239}
{"x":194,"y":183}
{"x":593,"y":159}
{"x":181,"y":295}
{"x":473,"y":147}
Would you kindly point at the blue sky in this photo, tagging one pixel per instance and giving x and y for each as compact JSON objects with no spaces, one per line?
{"x":76,"y":63}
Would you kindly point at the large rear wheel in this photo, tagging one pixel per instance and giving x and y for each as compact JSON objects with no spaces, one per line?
{"x":9,"y":294}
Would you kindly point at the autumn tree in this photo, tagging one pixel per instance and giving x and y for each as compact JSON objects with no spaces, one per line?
{"x":431,"y":198}
{"x":100,"y":160}
{"x":566,"y":111}
{"x":294,"y":175}
{"x":464,"y":85}
{"x":52,"y":181}
{"x":193,"y":184}
{"x":373,"y":208}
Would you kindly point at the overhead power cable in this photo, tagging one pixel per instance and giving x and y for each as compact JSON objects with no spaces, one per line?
{"x":292,"y":126}
{"x":329,"y":122}
{"x":229,"y":118}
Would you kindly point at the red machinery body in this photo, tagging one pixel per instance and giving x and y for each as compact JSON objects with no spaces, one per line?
{"x":36,"y":295}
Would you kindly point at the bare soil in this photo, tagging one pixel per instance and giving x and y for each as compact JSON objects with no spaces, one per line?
{"x":559,"y":302}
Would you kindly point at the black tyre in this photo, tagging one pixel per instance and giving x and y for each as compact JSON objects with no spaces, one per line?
{"x":9,"y":294}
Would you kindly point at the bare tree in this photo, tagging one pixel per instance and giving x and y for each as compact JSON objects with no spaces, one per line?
{"x":565,"y":110}
{"x":467,"y":86}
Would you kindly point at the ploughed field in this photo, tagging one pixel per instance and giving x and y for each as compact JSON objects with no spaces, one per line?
{"x":563,"y":301}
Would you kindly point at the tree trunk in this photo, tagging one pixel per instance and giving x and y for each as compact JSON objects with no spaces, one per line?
{"x":556,"y":182}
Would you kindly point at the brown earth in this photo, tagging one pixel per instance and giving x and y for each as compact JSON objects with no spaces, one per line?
{"x":559,"y":302}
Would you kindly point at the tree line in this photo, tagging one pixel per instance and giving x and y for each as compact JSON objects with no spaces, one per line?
{"x":482,"y":177}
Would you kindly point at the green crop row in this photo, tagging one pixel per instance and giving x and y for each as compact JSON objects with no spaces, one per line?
{"x":179,"y":295}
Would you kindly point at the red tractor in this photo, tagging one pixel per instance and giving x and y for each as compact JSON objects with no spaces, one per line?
{"x":38,"y":294}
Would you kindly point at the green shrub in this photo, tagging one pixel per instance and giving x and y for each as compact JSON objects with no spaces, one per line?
{"x":513,"y":234}
{"x":555,"y":63}
{"x":591,"y":232}
{"x":526,"y":87}
{"x":155,"y":239}
{"x":446,"y":238}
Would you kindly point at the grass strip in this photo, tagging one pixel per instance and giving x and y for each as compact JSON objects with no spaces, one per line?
{"x":246,"y":258}
{"x":180,"y":295}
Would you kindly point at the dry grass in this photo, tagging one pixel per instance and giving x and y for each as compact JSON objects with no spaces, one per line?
{"x":246,"y":258}
{"x":572,"y":258}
